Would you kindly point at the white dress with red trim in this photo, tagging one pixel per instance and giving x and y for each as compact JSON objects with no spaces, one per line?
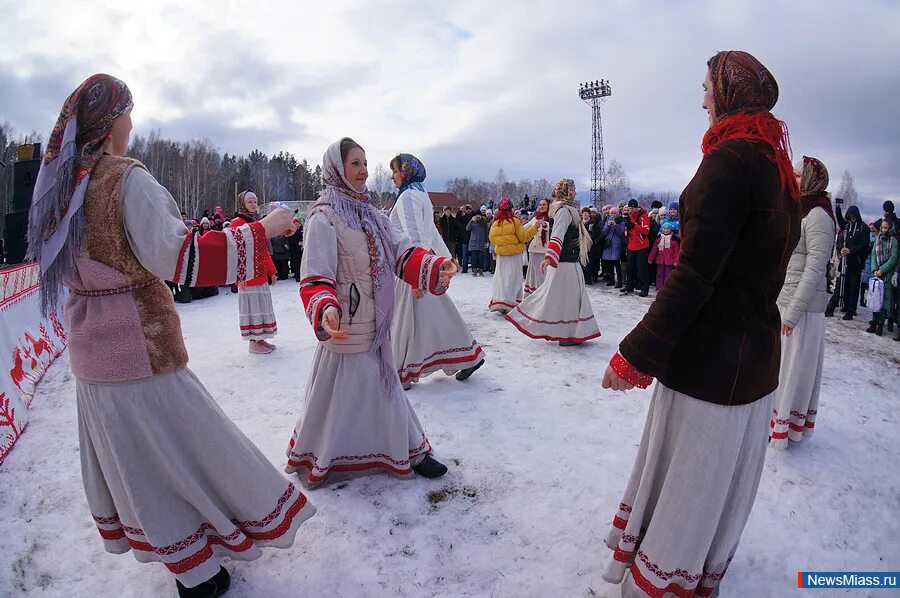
{"x":797,"y":396}
{"x":559,"y":310}
{"x":166,"y":473}
{"x":428,"y":334}
{"x":256,"y":314}
{"x":683,"y":511}
{"x":352,"y":424}
{"x":507,"y":285}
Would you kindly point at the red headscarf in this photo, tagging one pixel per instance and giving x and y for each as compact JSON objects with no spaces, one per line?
{"x":745,"y":91}
{"x":504,"y":211}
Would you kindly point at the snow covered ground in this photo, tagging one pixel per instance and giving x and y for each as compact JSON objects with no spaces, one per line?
{"x":538,"y":453}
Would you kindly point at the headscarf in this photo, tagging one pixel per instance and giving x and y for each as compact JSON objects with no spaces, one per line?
{"x":744,"y":92}
{"x":413,"y":172}
{"x":504,"y":211}
{"x":813,"y":182}
{"x":240,"y":209}
{"x":56,"y":220}
{"x":542,"y":217}
{"x":354,"y":209}
{"x":561,"y":190}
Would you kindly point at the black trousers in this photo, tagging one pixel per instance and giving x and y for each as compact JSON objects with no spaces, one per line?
{"x":614,"y":269}
{"x":296,"y":258}
{"x":281,"y":265}
{"x":638,"y":276}
{"x":851,"y":290}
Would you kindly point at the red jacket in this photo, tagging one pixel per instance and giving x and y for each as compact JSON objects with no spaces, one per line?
{"x":270,"y":265}
{"x":638,"y":235}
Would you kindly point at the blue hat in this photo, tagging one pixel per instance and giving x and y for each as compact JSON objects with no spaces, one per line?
{"x":673,"y":205}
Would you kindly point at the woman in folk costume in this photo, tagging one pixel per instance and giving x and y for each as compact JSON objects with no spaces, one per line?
{"x":256,"y":313}
{"x":802,"y":303}
{"x":102,"y":226}
{"x":712,"y":339}
{"x":509,"y":237}
{"x":428,"y":334}
{"x":357,"y":419}
{"x":534,"y":276}
{"x":560,"y":309}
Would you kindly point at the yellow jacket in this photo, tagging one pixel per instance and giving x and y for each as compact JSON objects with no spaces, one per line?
{"x":509,"y":237}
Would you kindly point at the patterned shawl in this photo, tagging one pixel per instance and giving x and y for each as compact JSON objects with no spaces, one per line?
{"x":813,"y":182}
{"x":561,"y":193}
{"x":413,"y":172}
{"x":355,"y":211}
{"x":744,"y":92}
{"x":56,"y":221}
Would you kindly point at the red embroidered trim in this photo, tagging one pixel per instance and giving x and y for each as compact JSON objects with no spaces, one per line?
{"x":406,"y":374}
{"x":509,"y":305}
{"x":241,"y":245}
{"x":180,"y":263}
{"x":628,"y":372}
{"x":375,"y":460}
{"x":704,"y":589}
{"x":554,"y":322}
{"x":570,"y":339}
{"x":256,"y":326}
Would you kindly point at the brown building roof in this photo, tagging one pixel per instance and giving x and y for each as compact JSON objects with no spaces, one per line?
{"x":439,"y":199}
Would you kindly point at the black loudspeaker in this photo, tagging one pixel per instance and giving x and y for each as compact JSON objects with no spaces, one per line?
{"x":24,"y":176}
{"x":16,"y":237}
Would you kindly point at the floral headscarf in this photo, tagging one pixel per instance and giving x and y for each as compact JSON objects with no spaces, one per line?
{"x":56,"y":221}
{"x":504,"y":210}
{"x":813,"y":182}
{"x":561,"y":190}
{"x":413,"y":172}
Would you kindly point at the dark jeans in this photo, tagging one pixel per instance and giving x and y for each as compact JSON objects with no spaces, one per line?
{"x":281,"y":265}
{"x":462,"y":249}
{"x":851,"y":290}
{"x":296,"y":258}
{"x":638,"y":277}
{"x":614,"y":269}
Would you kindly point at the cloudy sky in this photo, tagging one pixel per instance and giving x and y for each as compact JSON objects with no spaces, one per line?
{"x":469,"y":86}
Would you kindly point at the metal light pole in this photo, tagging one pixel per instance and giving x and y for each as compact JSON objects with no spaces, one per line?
{"x":594,"y":93}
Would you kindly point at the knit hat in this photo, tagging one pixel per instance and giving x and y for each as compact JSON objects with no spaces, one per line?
{"x":673,"y":205}
{"x":888,"y":207}
{"x":205,"y":221}
{"x":227,"y":224}
{"x":633,"y":203}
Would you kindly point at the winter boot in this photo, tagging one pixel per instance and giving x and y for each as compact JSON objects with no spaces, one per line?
{"x":897,"y":336}
{"x":610,"y":283}
{"x":848,"y":316}
{"x":406,"y":385}
{"x":643,"y":293}
{"x":568,"y":343}
{"x":211,"y":588}
{"x":872,"y":328}
{"x":879,"y":330}
{"x":430,"y":468}
{"x":890,"y":326}
{"x":464,"y":374}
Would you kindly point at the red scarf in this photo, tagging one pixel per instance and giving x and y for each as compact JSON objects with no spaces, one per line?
{"x":758,"y":127}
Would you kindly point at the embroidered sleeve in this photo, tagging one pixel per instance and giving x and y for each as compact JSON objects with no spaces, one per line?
{"x":165,"y":247}
{"x":421,"y":270}
{"x":561,"y":222}
{"x":318,"y":271}
{"x":628,"y":372}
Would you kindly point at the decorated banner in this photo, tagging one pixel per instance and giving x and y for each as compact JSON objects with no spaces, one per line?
{"x":28,"y":345}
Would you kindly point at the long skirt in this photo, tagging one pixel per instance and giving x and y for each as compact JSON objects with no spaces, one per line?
{"x":559,"y":310}
{"x":689,"y":495}
{"x":534,"y":277}
{"x":507,"y":283}
{"x":167,"y":474}
{"x":429,"y":335}
{"x":257,"y":316}
{"x":797,"y":396}
{"x":352,"y":425}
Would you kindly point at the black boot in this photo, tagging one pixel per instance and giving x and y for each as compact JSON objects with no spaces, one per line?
{"x":610,"y":283}
{"x":848,"y":316}
{"x":879,"y":330}
{"x":464,"y":374}
{"x":643,"y":293}
{"x":890,"y":326}
{"x":211,"y":588}
{"x":872,"y":328}
{"x":430,"y":468}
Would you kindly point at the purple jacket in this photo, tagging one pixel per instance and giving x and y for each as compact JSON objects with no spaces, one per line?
{"x":613,"y":239}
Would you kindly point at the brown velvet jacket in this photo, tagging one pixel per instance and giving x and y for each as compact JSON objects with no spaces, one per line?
{"x":714,"y":331}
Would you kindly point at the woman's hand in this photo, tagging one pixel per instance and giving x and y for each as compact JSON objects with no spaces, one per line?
{"x":845,"y":252}
{"x":331,"y":323}
{"x":273,"y":278}
{"x":448,"y":270}
{"x":418,"y":293}
{"x":277,"y":222}
{"x":612,"y":380}
{"x":787,"y":329}
{"x":544,"y":263}
{"x":877,"y":273}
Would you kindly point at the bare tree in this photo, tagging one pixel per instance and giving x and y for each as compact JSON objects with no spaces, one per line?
{"x":618,"y":187}
{"x":847,"y":190}
{"x":381,"y":188}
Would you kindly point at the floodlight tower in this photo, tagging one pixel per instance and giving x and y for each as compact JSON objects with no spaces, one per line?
{"x":594,"y":93}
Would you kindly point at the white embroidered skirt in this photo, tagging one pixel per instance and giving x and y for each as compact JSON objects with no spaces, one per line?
{"x":534,"y":278}
{"x":797,"y":396}
{"x":351,"y":425}
{"x":257,"y":316}
{"x":429,"y":335}
{"x":689,"y":496}
{"x":169,"y":476}
{"x":559,"y":310}
{"x":507,"y":283}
